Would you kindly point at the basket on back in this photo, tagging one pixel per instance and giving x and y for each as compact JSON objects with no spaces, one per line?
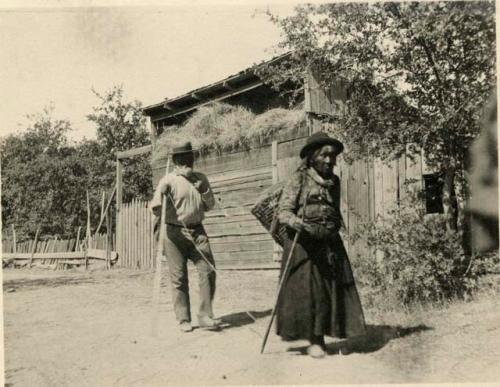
{"x":266,"y":211}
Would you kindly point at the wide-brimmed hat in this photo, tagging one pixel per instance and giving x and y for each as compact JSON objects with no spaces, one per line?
{"x":317,"y":140}
{"x":185,"y":147}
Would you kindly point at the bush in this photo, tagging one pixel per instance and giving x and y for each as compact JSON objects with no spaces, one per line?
{"x":416,"y":259}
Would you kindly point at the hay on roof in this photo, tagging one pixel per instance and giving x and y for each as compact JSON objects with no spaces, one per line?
{"x":219,"y":127}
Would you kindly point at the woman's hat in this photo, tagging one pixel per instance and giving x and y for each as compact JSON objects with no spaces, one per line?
{"x":317,"y":140}
{"x":183,"y":148}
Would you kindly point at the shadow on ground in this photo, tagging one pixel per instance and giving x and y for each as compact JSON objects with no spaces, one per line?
{"x":377,"y":337}
{"x":243,"y":318}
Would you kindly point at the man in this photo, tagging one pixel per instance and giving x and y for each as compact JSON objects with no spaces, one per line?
{"x":188,"y":196}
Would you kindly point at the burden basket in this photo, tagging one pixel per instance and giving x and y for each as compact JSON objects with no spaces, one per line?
{"x":266,"y":212}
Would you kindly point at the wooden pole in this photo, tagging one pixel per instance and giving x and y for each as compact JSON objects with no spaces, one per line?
{"x":159,"y":254}
{"x":108,"y":240}
{"x":33,"y":250}
{"x":119,"y":214}
{"x":107,"y":207}
{"x":103,"y":203}
{"x":14,"y":239}
{"x":87,"y":244}
{"x":77,"y":244}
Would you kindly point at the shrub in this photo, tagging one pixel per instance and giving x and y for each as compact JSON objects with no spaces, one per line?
{"x":416,"y":259}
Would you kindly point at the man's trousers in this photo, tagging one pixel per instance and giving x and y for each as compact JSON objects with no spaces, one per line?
{"x":179,"y":247}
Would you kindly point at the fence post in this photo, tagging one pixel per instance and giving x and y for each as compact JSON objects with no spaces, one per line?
{"x":33,"y":250}
{"x":119,"y":200}
{"x":14,"y":240}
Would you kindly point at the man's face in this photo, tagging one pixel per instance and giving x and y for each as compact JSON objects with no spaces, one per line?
{"x":324,"y":159}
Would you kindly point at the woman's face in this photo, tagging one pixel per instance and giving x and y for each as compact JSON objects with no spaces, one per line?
{"x":324,"y":159}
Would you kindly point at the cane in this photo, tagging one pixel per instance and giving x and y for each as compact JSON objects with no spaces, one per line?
{"x":282,"y":281}
{"x":159,"y":255}
{"x":280,"y":287}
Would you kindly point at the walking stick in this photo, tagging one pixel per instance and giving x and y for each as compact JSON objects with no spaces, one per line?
{"x":159,"y":254}
{"x":282,"y":281}
{"x":280,"y":287}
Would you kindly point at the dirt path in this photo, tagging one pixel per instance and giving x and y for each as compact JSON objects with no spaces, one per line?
{"x":78,"y":329}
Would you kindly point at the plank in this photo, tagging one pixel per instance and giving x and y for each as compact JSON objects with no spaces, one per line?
{"x":253,"y":256}
{"x":291,"y":148}
{"x":391,"y":185}
{"x":261,"y":183}
{"x":92,"y":253}
{"x":242,"y":246}
{"x":238,"y":174}
{"x":241,"y":238}
{"x":134,"y":152}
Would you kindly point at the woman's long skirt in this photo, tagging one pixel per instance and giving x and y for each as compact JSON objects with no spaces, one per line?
{"x":319,"y":296}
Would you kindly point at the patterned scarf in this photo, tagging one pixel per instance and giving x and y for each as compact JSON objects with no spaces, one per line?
{"x":313,"y":174}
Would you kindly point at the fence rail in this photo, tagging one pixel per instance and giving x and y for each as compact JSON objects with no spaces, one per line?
{"x":59,"y":253}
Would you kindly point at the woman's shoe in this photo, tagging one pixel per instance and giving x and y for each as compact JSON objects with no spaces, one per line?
{"x":316,"y":351}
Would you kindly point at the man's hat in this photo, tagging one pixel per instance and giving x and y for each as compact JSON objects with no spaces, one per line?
{"x":317,"y":140}
{"x":183,"y":148}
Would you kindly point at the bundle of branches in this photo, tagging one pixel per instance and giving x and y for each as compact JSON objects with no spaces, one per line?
{"x":219,"y":127}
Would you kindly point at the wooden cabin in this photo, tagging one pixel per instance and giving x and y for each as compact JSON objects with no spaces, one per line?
{"x":369,"y":187}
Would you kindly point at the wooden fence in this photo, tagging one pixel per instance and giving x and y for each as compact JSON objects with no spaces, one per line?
{"x":59,"y":253}
{"x":136,"y":244}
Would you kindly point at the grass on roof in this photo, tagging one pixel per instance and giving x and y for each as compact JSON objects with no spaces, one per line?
{"x":219,"y":128}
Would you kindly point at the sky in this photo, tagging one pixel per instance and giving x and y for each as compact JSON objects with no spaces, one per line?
{"x":54,"y":54}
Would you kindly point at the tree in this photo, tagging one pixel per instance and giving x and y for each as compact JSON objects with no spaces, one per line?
{"x":418,"y":74}
{"x":121,"y":126}
{"x":40,"y":181}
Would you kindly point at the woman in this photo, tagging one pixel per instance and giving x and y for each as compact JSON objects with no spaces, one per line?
{"x":319,"y":296}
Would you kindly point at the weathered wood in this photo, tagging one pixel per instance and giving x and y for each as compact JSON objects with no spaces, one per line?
{"x":227,"y":218}
{"x":241,"y":246}
{"x":227,"y":177}
{"x":391,"y":185}
{"x":88,"y":235}
{"x":92,"y":253}
{"x":290,"y":148}
{"x":250,"y":256}
{"x":119,"y":205}
{"x":241,"y":238}
{"x":134,"y":152}
{"x":108,"y":239}
{"x":34,"y":246}
{"x":14,"y":239}
{"x":77,"y":244}
{"x":106,"y":210}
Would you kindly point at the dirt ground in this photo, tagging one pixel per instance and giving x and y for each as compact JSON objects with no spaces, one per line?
{"x":94,"y":329}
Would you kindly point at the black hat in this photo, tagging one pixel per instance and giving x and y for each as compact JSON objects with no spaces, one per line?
{"x":317,"y":140}
{"x":183,"y":148}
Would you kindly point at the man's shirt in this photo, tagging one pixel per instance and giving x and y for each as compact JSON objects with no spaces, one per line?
{"x":185,"y":204}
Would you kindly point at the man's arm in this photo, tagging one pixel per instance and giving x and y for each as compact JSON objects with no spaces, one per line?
{"x":156,"y":202}
{"x":207,"y":196}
